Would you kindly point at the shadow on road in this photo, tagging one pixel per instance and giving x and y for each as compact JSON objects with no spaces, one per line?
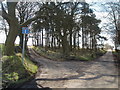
{"x":76,"y":77}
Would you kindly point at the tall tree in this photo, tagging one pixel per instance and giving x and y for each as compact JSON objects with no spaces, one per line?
{"x":14,"y":25}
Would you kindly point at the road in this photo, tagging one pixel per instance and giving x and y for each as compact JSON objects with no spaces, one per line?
{"x":100,"y":73}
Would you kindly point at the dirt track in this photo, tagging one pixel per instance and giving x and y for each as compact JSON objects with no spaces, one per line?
{"x":100,"y":73}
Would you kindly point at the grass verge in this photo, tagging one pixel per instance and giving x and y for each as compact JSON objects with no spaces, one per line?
{"x":116,"y":58}
{"x":81,"y":55}
{"x":14,"y":72}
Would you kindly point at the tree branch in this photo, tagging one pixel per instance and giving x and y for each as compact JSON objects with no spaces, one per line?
{"x":4,"y":14}
{"x":30,"y":20}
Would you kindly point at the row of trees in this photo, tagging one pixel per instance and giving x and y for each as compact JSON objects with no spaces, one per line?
{"x":61,"y":24}
{"x":65,"y":24}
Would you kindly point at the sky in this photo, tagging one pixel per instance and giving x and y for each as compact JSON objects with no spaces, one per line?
{"x":89,"y":1}
{"x":99,"y":11}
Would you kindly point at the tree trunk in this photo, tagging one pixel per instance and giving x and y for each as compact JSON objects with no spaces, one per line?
{"x":46,"y":40}
{"x":58,"y":42}
{"x":82,"y":32}
{"x":65,"y":46}
{"x":52,"y":42}
{"x":90,"y":42}
{"x":42,"y":37}
{"x":74,"y":40}
{"x":13,"y":31}
{"x":70,"y":40}
{"x":13,"y":27}
{"x":78,"y":41}
{"x":39,"y":38}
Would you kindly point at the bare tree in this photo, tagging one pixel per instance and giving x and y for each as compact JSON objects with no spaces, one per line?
{"x":114,"y":16}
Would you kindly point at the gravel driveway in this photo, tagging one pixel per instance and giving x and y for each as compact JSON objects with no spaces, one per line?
{"x":100,"y":73}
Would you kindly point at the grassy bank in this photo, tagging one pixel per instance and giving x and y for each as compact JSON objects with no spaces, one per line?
{"x":14,"y":72}
{"x":117,"y":58}
{"x":82,"y":54}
